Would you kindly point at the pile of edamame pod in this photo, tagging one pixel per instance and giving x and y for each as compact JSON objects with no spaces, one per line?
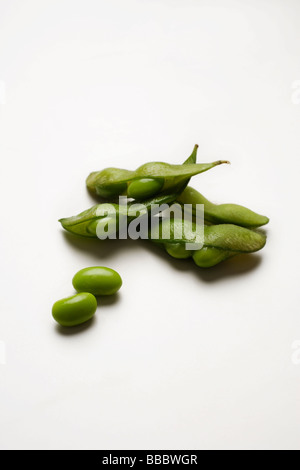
{"x":229,"y":229}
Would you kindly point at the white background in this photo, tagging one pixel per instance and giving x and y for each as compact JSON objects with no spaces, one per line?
{"x":184,"y":358}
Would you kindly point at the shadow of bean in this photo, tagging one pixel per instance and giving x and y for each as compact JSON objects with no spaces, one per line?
{"x":239,"y":265}
{"x":108,"y":300}
{"x":75,"y":330}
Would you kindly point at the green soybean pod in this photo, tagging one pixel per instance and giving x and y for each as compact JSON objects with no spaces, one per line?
{"x":144,"y":188}
{"x":97,"y":280}
{"x":223,"y":213}
{"x":111,"y":182}
{"x":75,"y":310}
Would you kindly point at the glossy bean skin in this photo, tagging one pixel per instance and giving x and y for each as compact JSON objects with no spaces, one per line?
{"x":145,"y":188}
{"x":98,"y":281}
{"x":75,"y":310}
{"x":171,"y":178}
{"x":223,"y":213}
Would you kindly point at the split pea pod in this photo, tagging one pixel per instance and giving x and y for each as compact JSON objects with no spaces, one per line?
{"x":148,"y":180}
{"x":223,"y":213}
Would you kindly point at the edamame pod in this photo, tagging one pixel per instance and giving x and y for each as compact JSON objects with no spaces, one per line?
{"x":223,"y":213}
{"x":97,"y":280}
{"x":111,"y":191}
{"x":220,"y":242}
{"x":75,"y":310}
{"x":110,"y":215}
{"x":173,"y":177}
{"x":233,"y":238}
{"x":86,"y":223}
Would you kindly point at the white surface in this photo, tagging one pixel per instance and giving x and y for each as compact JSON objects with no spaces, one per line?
{"x":185,"y":358}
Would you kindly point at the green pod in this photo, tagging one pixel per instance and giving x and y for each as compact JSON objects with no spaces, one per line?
{"x":75,"y":310}
{"x":106,"y":227}
{"x":85,"y":223}
{"x":174,"y":177}
{"x":111,"y":191}
{"x":177,"y":250}
{"x":220,"y":242}
{"x":113,"y":182}
{"x":175,"y":232}
{"x":223,"y":213}
{"x":97,"y":280}
{"x":89,"y":222}
{"x":233,"y":238}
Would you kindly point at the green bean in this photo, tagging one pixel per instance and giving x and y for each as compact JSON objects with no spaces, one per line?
{"x":208,"y":257}
{"x":162,"y":177}
{"x":75,"y":310}
{"x":97,"y":280}
{"x":177,"y":250}
{"x":145,"y":187}
{"x":224,"y":213}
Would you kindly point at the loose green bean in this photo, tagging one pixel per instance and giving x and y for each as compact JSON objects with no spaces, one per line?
{"x":97,"y":280}
{"x":75,"y":310}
